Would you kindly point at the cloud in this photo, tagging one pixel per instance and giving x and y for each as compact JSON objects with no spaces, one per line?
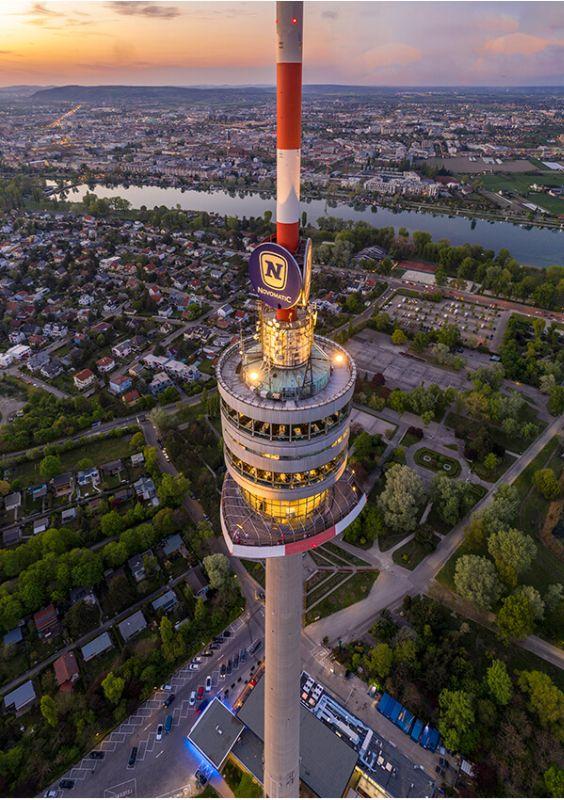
{"x":39,"y":8}
{"x":521,"y":44}
{"x":138,"y":8}
{"x":390,"y":55}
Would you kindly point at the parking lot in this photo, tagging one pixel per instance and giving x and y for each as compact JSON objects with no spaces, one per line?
{"x":374,"y":353}
{"x":478,"y":324}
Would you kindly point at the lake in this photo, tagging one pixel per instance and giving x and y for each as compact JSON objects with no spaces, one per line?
{"x":537,"y":247}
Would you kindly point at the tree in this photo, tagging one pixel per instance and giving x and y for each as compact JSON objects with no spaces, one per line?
{"x":49,"y":710}
{"x":172,"y":489}
{"x":217,"y":568}
{"x":516,"y":617}
{"x":380,"y":660}
{"x":449,"y":335}
{"x":457,"y":721}
{"x":113,"y":688}
{"x":499,"y":683}
{"x":405,"y":652}
{"x":513,"y":553}
{"x":490,"y":462}
{"x":49,"y":467}
{"x":553,"y":596}
{"x":546,"y":483}
{"x":200,"y":612}
{"x":399,"y":337}
{"x":503,"y":509}
{"x":171,"y":641}
{"x":137,"y":441}
{"x":449,"y":498}
{"x":401,"y":498}
{"x":112,"y":524}
{"x":114,"y":554}
{"x":545,"y":699}
{"x":476,"y":579}
{"x":554,"y":780}
{"x":556,"y":400}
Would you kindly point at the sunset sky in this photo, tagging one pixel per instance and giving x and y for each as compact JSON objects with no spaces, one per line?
{"x":191,"y":43}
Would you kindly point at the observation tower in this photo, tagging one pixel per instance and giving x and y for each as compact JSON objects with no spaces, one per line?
{"x":286,"y":398}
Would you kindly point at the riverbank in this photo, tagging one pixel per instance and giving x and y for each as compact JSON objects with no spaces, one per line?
{"x":536,"y":247}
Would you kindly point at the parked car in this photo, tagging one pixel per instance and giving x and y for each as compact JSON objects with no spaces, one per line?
{"x":168,"y":724}
{"x":208,"y":683}
{"x":169,"y":701}
{"x":200,"y":692}
{"x":159,"y":734}
{"x":194,"y":666}
{"x":222,"y":672}
{"x":166,"y":687}
{"x":192,"y":698}
{"x":66,"y":783}
{"x":97,"y":754}
{"x":229,"y":666}
{"x":201,"y":778}
{"x":132,"y":757}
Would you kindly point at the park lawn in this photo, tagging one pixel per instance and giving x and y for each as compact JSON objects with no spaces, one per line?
{"x":320,"y":559}
{"x":412,"y":553}
{"x":516,"y":444}
{"x":323,"y":587}
{"x":409,"y":439}
{"x":493,"y":475}
{"x":256,"y":570}
{"x":437,"y":462}
{"x":390,"y":538}
{"x":356,"y":588}
{"x":519,"y":182}
{"x":315,"y":579}
{"x":99,"y":452}
{"x":343,"y":555}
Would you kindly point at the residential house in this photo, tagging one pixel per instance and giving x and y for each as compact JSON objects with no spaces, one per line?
{"x":165,"y":602}
{"x":197,"y":581}
{"x":132,"y":625}
{"x":68,"y":515}
{"x":84,"y":379}
{"x":63,"y":485}
{"x":97,"y":646}
{"x":120,"y":384}
{"x":122,"y":350}
{"x":88,"y":476}
{"x":145,"y":489}
{"x":47,"y":621}
{"x":12,"y":502}
{"x":13,"y":637}
{"x":112,"y":467}
{"x":105,"y":364}
{"x":160,"y":382}
{"x":137,"y":459}
{"x":173,"y":544}
{"x":11,"y":536}
{"x":66,"y":671}
{"x":137,"y":565}
{"x":130,"y":398}
{"x":40,"y":525}
{"x":38,"y":492}
{"x":21,"y":699}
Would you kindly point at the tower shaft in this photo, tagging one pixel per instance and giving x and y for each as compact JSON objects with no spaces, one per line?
{"x":289,"y":30}
{"x":284,"y":603}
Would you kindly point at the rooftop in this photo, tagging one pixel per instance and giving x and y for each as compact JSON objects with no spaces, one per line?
{"x":215,"y":732}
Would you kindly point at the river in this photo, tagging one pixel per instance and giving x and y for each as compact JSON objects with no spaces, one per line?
{"x":536,"y":247}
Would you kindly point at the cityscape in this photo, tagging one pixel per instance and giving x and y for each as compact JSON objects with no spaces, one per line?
{"x":281,"y":399}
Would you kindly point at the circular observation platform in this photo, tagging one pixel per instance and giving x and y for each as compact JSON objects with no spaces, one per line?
{"x":334,"y":377}
{"x":249,"y":534}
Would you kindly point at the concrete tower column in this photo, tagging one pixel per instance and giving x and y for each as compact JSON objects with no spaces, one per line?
{"x":283,"y":624}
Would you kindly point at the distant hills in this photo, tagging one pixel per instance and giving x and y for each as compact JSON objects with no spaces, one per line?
{"x":175,"y":94}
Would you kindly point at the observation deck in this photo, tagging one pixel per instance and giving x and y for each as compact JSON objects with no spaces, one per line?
{"x":251,"y":535}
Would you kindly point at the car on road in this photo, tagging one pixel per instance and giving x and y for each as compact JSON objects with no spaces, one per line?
{"x":168,"y":724}
{"x":222,"y":671}
{"x":192,"y":698}
{"x":66,"y":784}
{"x":208,"y":683}
{"x":132,"y":757}
{"x":169,"y":701}
{"x":98,"y":755}
{"x":200,"y":692}
{"x":159,"y":734}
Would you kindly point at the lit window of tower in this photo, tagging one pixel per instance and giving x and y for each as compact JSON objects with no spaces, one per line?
{"x":285,"y":405}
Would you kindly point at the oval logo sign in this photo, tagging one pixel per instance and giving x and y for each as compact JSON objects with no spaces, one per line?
{"x":275,"y":275}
